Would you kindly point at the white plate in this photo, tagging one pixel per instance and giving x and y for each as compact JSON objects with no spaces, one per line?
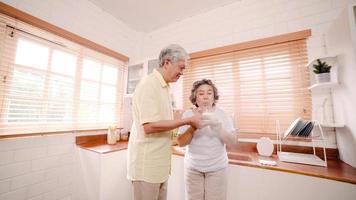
{"x":292,"y":127}
{"x":265,"y":146}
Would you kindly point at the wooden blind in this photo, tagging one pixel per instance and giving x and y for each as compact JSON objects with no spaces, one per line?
{"x":257,"y":86}
{"x":51,"y":84}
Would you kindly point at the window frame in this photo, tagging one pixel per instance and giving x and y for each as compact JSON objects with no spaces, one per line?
{"x":38,"y":36}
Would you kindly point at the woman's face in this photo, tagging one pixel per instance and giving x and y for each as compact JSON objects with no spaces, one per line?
{"x":205,"y":96}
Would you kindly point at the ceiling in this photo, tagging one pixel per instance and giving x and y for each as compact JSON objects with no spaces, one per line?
{"x":148,"y":15}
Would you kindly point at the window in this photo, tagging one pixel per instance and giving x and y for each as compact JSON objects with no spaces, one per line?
{"x":55,"y":86}
{"x":256,"y":85}
{"x":98,"y":92}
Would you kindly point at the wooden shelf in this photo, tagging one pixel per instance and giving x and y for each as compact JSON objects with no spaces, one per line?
{"x":323,"y":85}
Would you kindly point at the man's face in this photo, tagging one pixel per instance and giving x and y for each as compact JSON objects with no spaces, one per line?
{"x":174,"y":70}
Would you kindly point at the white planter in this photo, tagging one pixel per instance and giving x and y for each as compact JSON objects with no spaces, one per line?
{"x":322,"y":78}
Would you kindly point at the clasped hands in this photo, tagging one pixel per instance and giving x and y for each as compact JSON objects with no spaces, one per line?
{"x":211,"y":120}
{"x":206,"y":119}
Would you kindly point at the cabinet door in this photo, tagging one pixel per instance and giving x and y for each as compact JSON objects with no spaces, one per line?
{"x":89,"y":175}
{"x":176,"y":190}
{"x":152,"y":64}
{"x":135,"y":73}
{"x":260,"y":184}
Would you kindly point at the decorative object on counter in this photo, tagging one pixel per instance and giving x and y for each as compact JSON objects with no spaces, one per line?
{"x":322,"y":71}
{"x":111,"y":135}
{"x":267,"y":162}
{"x":265,"y":146}
{"x":124,"y":135}
{"x":305,"y":130}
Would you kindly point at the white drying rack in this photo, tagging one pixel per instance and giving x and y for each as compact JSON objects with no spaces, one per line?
{"x":310,"y":159}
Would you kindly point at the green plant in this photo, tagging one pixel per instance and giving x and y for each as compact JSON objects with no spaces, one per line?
{"x":321,"y":67}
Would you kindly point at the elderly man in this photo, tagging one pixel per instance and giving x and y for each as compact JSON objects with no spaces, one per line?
{"x":149,"y":149}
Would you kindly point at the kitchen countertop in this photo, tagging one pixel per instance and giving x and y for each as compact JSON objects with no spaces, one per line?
{"x":336,"y":169}
{"x":101,"y":146}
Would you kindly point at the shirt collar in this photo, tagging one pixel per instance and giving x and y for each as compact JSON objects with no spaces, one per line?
{"x":160,"y":78}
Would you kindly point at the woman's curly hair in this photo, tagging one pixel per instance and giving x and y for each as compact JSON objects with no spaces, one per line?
{"x":196,"y":85}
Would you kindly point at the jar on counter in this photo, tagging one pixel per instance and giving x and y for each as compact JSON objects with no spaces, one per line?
{"x":118,"y":134}
{"x":111,"y":135}
{"x":124,"y":135}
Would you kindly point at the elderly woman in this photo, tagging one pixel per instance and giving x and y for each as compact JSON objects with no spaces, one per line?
{"x":206,"y":158}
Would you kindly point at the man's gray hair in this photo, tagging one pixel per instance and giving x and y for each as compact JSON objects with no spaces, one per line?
{"x":173,"y":53}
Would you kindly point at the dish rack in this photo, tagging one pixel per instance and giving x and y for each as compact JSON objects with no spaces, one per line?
{"x":302,"y":158}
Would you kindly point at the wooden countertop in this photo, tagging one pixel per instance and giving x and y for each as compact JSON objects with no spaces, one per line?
{"x":103,"y":147}
{"x":336,"y":170}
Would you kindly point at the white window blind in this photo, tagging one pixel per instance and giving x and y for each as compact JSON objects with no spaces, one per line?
{"x":257,"y":86}
{"x":51,"y":84}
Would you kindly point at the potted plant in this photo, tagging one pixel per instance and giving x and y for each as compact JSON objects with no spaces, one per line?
{"x":322,"y":71}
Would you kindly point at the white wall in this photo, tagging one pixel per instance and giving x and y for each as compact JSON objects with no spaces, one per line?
{"x":248,"y":20}
{"x":39,"y":167}
{"x":83,"y":18}
{"x":341,"y":41}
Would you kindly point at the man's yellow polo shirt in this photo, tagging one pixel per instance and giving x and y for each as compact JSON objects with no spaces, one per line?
{"x":149,"y":155}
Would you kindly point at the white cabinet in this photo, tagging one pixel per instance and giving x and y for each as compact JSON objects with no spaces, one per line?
{"x":176,"y":190}
{"x":261,"y":184}
{"x":152,"y":64}
{"x":114,"y":184}
{"x":136,"y":72}
{"x":105,"y":175}
{"x":134,"y":75}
